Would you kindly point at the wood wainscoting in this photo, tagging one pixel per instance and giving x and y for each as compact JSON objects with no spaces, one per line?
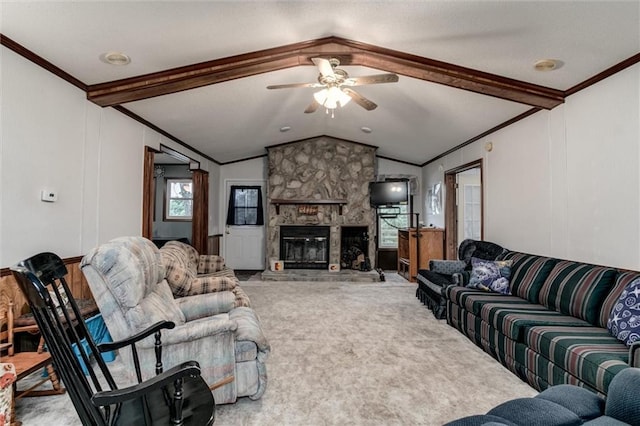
{"x":75,"y":279}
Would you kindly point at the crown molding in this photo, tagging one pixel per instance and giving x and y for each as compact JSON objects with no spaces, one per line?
{"x":41,"y":62}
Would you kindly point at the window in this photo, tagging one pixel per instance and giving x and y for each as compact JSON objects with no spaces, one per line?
{"x":245,"y":206}
{"x":388,"y":226}
{"x":178,"y":199}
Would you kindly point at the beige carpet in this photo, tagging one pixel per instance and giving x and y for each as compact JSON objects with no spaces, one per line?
{"x":350,"y":353}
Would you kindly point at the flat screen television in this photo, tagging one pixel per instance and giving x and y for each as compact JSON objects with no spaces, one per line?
{"x":388,"y":193}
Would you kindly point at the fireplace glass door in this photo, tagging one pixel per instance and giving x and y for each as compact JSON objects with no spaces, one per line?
{"x":304,"y":247}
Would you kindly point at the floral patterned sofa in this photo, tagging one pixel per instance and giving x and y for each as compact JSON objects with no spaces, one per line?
{"x":189,"y":273}
{"x":558,"y":325}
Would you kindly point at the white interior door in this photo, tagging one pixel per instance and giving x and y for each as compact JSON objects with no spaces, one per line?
{"x":469,"y":202}
{"x":244,"y":246}
{"x":471,"y":216}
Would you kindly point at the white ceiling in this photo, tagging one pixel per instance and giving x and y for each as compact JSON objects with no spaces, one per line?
{"x":415,"y":120}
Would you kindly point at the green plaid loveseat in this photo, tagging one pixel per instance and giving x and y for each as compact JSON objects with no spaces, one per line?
{"x":552,"y":329}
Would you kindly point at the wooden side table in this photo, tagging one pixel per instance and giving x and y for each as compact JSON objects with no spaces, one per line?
{"x":417,"y":248}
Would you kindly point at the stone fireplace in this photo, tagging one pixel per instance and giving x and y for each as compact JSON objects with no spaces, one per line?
{"x":319,"y":183}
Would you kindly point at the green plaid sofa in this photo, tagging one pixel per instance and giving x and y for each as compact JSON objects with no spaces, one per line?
{"x":552,"y":329}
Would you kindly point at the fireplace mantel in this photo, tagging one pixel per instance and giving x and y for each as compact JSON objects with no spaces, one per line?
{"x":280,"y":201}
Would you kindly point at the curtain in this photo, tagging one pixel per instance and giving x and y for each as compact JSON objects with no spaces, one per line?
{"x":245,"y":206}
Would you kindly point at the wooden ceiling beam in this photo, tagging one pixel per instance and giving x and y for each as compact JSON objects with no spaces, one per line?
{"x":129,"y":90}
{"x":349,"y":52}
{"x":491,"y":85}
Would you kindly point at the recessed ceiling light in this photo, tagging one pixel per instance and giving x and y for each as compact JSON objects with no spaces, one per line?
{"x":547,"y":65}
{"x":366,"y":129}
{"x":285,"y":128}
{"x":115,"y":58}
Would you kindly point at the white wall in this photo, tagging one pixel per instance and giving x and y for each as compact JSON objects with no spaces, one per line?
{"x":43,"y":132}
{"x":565,"y":182}
{"x":603,"y":147}
{"x":52,"y":137}
{"x":517,"y":185}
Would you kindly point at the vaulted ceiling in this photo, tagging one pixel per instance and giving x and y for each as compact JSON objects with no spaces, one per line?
{"x":199,"y":70}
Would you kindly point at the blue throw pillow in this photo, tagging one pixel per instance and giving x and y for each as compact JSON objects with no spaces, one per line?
{"x":624,"y":320}
{"x":490,"y":275}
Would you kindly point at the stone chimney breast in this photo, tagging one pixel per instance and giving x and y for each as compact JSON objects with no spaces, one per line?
{"x":336,"y":174}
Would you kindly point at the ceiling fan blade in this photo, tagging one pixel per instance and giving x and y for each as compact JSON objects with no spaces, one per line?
{"x":371,"y":79}
{"x":324,"y":66}
{"x":294,"y":85}
{"x":359,"y":99}
{"x":312,"y":107}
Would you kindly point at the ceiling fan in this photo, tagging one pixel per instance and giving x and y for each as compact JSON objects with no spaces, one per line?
{"x":336,"y":86}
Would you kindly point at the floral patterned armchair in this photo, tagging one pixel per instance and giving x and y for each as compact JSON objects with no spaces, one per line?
{"x":127,"y":279}
{"x":189,"y":273}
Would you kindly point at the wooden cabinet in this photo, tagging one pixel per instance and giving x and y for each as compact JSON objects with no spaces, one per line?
{"x":431,"y":243}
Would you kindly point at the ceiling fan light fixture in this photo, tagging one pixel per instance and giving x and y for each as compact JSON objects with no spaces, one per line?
{"x":327,"y":98}
{"x":336,"y":88}
{"x":339,"y":96}
{"x":332,"y":97}
{"x":330,"y":103}
{"x":321,"y":96}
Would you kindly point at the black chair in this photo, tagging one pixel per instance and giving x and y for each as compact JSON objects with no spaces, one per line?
{"x":178,"y":396}
{"x":442,"y":273}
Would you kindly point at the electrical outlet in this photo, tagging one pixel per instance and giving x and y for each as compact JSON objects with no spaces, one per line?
{"x":48,"y":195}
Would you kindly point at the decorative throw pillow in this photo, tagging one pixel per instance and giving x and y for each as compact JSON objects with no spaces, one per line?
{"x":490,"y":275}
{"x":447,"y":267}
{"x":624,"y":320}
